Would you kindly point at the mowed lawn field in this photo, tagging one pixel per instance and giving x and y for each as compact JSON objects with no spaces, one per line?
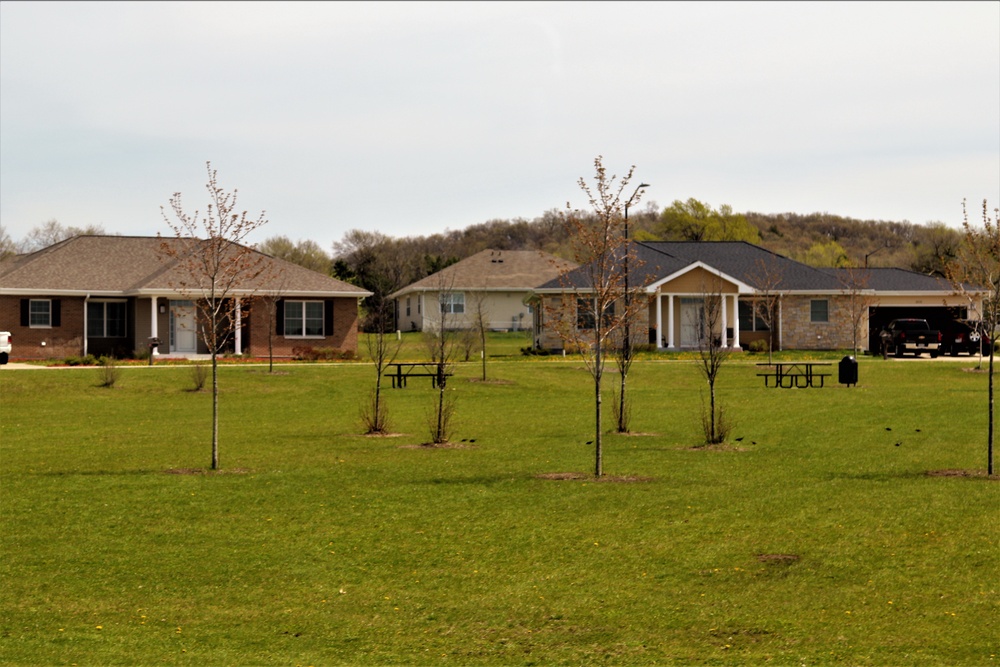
{"x":817,"y":538}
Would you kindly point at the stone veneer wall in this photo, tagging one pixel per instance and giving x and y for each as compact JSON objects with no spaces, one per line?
{"x":799,"y":333}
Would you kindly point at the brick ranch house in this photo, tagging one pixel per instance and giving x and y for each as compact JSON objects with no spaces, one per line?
{"x":813,"y":308}
{"x":495,"y":281}
{"x":109,"y":295}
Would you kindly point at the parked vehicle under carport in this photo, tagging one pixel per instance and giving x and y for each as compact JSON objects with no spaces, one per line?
{"x":964,"y":337}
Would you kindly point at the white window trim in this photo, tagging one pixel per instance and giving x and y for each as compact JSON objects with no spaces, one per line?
{"x":32,"y":325}
{"x":104,"y":303}
{"x":305,"y":336}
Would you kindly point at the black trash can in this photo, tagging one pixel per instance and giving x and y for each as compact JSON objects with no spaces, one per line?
{"x":848,"y":371}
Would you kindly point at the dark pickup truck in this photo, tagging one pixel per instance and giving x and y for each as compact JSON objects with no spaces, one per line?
{"x":910,"y":335}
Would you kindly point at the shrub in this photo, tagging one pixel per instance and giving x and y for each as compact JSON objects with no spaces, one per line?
{"x":310,"y":353}
{"x":109,"y":371}
{"x":199,"y":374}
{"x":758,"y":346}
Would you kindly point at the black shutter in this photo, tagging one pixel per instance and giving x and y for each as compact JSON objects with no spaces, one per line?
{"x":328,"y":317}
{"x":279,"y":317}
{"x":56,"y":313}
{"x":25,"y":312}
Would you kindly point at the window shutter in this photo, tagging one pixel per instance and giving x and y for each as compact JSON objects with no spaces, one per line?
{"x":279,"y":316}
{"x":328,"y":317}
{"x":56,"y":313}
{"x":25,"y":318}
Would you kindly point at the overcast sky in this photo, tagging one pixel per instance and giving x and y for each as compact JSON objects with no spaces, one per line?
{"x":413,"y":118}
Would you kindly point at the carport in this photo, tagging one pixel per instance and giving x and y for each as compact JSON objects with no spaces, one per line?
{"x":937,"y":317}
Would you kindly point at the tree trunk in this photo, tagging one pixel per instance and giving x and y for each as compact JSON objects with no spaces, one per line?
{"x":215,"y":410}
{"x":989,"y":437}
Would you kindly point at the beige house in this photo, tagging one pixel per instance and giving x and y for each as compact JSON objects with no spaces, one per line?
{"x":814,"y":309}
{"x":109,"y":295}
{"x":492,"y":284}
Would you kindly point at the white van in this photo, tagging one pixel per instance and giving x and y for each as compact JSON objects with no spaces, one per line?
{"x":5,"y":346}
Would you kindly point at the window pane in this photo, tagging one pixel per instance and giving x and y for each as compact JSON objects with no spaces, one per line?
{"x":293,"y":318}
{"x":314,"y":318}
{"x":819,"y":310}
{"x":95,"y":320}
{"x":115,"y":316}
{"x":40,"y":313}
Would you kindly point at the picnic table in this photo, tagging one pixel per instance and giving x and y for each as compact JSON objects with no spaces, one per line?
{"x":800,"y":374}
{"x":399,"y":372}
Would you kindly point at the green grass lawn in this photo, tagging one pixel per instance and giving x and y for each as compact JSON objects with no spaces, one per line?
{"x":819,"y":538}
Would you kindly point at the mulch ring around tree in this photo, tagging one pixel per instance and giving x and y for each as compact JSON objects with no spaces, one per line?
{"x":440,"y":445}
{"x":962,"y":473}
{"x":203,"y":471}
{"x":579,"y":476}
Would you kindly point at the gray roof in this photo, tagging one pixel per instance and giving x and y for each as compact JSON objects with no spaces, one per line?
{"x":748,"y":264}
{"x":493,"y":270}
{"x":131,"y":265}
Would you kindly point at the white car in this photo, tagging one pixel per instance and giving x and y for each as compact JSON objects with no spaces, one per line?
{"x":5,"y":346}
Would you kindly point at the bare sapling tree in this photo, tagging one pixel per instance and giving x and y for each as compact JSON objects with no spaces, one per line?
{"x":594,"y":310}
{"x":217,"y":272}
{"x":480,"y":317}
{"x":856,"y":283}
{"x":976,"y":273}
{"x":712,"y":356}
{"x":270,"y":299}
{"x":383,"y":348}
{"x":440,"y":341}
{"x":766,"y":277}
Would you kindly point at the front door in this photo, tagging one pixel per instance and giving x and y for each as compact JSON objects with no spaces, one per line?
{"x":692,"y":321}
{"x":183,"y":327}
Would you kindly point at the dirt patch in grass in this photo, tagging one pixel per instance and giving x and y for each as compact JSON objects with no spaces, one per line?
{"x":203,"y":471}
{"x":579,"y":476}
{"x":724,"y":447}
{"x":780,"y":559}
{"x":962,"y":473}
{"x":383,"y":435}
{"x":496,"y":382}
{"x":439,"y":445}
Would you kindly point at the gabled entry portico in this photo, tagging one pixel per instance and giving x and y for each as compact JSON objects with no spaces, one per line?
{"x":680,"y":301}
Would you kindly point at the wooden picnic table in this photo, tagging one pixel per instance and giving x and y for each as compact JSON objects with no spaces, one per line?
{"x":800,"y":374}
{"x":400,"y":371}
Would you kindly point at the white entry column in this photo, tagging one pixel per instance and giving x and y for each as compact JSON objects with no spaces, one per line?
{"x":725,"y":319}
{"x":670,"y":322}
{"x":154,"y":326}
{"x":238,"y":334}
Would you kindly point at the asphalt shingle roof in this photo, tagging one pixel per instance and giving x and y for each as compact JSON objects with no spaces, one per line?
{"x":496,"y":270}
{"x":131,"y":264}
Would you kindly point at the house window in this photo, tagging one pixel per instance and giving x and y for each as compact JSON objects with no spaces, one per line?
{"x":303,"y":318}
{"x":749,"y":319}
{"x":585,"y":314}
{"x":453,"y":302}
{"x":407,"y":306}
{"x":106,"y":319}
{"x":40,"y":313}
{"x":819,"y":310}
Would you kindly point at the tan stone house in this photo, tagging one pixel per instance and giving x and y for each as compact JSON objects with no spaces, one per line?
{"x":493,"y":282}
{"x":109,"y":295}
{"x":812,"y":307}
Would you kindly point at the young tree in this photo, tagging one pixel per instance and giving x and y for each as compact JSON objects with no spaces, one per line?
{"x":270,"y":299}
{"x":440,"y":341}
{"x":766,"y":277}
{"x":712,"y":355}
{"x":383,"y":348}
{"x":977,"y":268}
{"x":598,"y":312}
{"x":480,"y":316}
{"x":217,"y":270}
{"x":856,"y":281}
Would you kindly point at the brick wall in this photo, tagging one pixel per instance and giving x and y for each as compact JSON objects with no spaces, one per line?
{"x":344,"y":336}
{"x":66,"y":340}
